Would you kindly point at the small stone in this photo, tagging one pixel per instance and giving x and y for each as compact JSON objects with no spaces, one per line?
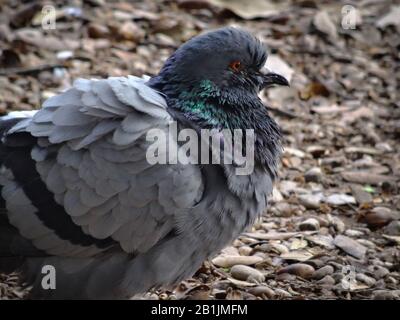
{"x":383,"y":146}
{"x":365,"y":177}
{"x":380,"y":272}
{"x":278,"y":247}
{"x":297,"y":255}
{"x":340,"y":199}
{"x":392,"y":280}
{"x":367,"y":243}
{"x":322,"y":272}
{"x":367,"y":280}
{"x":286,"y":187}
{"x":310,"y":201}
{"x":325,"y":241}
{"x":130,"y":31}
{"x":315,"y":263}
{"x":327,"y":281}
{"x":353,"y":233}
{"x":361,"y":196}
{"x":299,"y":269}
{"x":259,"y":291}
{"x":385,"y":295}
{"x":224,"y":261}
{"x":245,"y":250}
{"x":379,"y":217}
{"x":283,"y":209}
{"x":350,"y":246}
{"x":337,"y":223}
{"x":310,"y":224}
{"x":97,"y":31}
{"x":246,"y":273}
{"x":393,"y":228}
{"x":316,"y":151}
{"x":285,"y":277}
{"x":313,"y":175}
{"x":282,"y":293}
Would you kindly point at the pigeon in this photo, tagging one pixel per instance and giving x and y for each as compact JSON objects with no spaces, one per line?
{"x":80,"y":198}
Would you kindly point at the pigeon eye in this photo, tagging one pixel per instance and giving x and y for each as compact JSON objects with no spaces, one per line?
{"x":235,"y":65}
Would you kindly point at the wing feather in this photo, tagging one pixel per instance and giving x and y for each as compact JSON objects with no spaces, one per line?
{"x":99,"y":174}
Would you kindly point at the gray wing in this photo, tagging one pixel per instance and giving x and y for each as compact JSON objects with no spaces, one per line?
{"x":91,"y":154}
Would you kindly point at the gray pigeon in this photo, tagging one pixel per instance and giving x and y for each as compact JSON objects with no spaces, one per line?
{"x":79,"y":194}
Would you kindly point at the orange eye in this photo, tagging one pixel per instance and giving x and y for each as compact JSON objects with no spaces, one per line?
{"x":235,"y":65}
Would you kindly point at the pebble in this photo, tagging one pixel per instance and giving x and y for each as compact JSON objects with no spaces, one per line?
{"x":316,"y":151}
{"x":245,"y":250}
{"x":353,"y":233}
{"x":131,"y":31}
{"x":392,"y":280}
{"x":379,"y":217}
{"x":327,"y":281}
{"x":350,"y":246}
{"x":283,"y":209}
{"x":316,"y":263}
{"x":337,"y":223}
{"x":285,"y":277}
{"x":96,"y":31}
{"x":299,"y":269}
{"x":310,"y":201}
{"x":310,"y":224}
{"x":369,"y":281}
{"x":322,"y":240}
{"x":246,"y":273}
{"x":361,"y":196}
{"x":379,"y":272}
{"x":365,"y":177}
{"x":278,"y":247}
{"x":393,"y":228}
{"x":324,"y":271}
{"x":340,"y":199}
{"x":313,"y":175}
{"x":366,"y":243}
{"x":259,"y":291}
{"x":229,"y":261}
{"x":286,"y":187}
{"x":386,"y":295}
{"x":282,"y":293}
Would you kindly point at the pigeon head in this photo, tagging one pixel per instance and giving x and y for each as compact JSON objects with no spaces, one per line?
{"x":228,"y":60}
{"x":213,"y":81}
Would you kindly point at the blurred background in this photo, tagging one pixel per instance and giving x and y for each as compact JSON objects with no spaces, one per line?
{"x":332,"y":230}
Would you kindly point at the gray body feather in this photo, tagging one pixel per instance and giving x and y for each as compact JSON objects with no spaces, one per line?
{"x":165,"y":220}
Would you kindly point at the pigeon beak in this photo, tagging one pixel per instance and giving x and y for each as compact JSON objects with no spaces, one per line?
{"x":270,"y":79}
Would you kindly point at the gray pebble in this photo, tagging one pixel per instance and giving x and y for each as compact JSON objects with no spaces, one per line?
{"x":313,"y":175}
{"x":385,"y":295}
{"x":327,"y":281}
{"x":310,"y":224}
{"x":369,"y":281}
{"x":262,"y":290}
{"x":282,"y":293}
{"x":246,"y":273}
{"x":322,"y":272}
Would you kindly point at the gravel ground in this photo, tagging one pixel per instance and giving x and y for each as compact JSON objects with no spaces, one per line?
{"x":332,"y":230}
